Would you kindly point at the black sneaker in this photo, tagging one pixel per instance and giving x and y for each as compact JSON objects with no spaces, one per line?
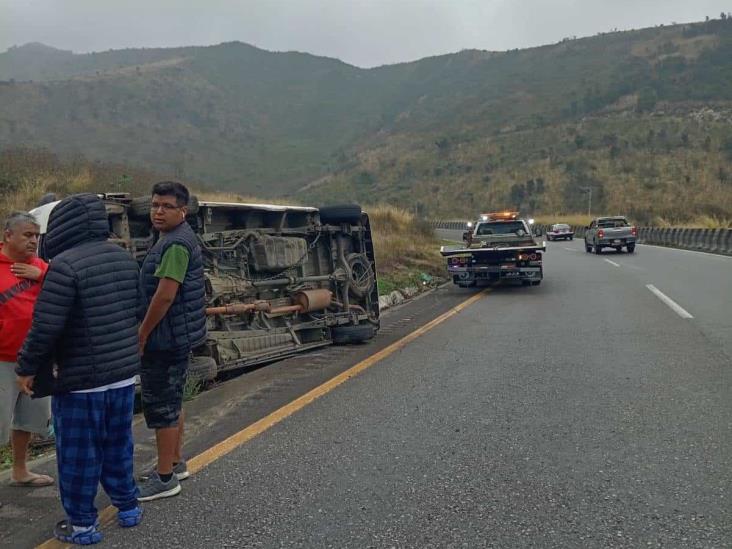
{"x":154,"y":488}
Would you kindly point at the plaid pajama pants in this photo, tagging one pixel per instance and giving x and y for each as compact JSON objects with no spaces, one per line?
{"x":93,"y":444}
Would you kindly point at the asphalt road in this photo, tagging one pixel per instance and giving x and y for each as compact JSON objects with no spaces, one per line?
{"x":586,"y":412}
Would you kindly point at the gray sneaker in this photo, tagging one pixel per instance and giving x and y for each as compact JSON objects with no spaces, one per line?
{"x":180,"y":470}
{"x":154,"y":488}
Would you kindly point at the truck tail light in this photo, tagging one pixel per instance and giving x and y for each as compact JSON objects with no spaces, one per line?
{"x":634,"y":231}
{"x":600,"y":234}
{"x":529,"y":257}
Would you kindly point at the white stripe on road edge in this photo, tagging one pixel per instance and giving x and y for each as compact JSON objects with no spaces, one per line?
{"x":678,"y":309}
{"x":571,"y":249}
{"x":613,"y":263}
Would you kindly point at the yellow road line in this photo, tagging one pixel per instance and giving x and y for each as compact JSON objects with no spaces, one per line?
{"x":207,"y":457}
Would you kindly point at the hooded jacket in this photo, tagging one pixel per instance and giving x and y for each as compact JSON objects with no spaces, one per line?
{"x":16,"y":310}
{"x":85,"y":318}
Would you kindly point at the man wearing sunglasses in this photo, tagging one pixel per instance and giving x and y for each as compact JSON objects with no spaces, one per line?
{"x":172,"y":309}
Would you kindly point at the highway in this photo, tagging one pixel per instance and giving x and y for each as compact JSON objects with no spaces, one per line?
{"x":594,"y":410}
{"x":586,"y":412}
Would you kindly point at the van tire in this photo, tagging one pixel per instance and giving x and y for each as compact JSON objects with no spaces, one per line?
{"x":344,"y":213}
{"x":343,"y":335}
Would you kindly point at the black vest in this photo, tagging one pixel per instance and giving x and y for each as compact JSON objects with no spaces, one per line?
{"x":184,"y":325}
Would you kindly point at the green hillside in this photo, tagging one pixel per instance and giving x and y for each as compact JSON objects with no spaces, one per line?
{"x":643,"y":117}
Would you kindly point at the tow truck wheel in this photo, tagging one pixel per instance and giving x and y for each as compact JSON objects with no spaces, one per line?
{"x":631,"y":249}
{"x":598,"y":249}
{"x":571,"y":238}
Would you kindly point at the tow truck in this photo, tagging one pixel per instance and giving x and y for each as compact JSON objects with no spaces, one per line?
{"x":500,"y":246}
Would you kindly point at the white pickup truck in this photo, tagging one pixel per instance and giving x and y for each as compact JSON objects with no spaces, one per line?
{"x":610,"y":232}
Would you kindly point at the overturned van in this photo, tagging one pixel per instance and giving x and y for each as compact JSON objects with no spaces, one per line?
{"x":279,"y":279}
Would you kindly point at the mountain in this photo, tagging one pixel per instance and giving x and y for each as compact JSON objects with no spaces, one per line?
{"x":642,"y":113}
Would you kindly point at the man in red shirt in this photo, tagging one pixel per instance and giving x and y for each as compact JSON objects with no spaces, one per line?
{"x":21,"y":274}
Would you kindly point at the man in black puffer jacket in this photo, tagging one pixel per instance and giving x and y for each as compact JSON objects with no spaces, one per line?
{"x":85,"y":322}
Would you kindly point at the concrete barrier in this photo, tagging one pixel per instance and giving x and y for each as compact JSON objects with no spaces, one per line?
{"x":716,"y":241}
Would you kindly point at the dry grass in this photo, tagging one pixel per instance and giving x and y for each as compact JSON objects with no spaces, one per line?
{"x":221,"y":196}
{"x":405,"y":247}
{"x":710,"y":222}
{"x":573,"y":220}
{"x":699,"y":222}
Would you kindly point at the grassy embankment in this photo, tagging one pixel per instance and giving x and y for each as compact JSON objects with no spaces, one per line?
{"x":405,"y":248}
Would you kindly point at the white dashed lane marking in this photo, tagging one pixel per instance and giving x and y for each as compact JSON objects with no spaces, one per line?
{"x":678,"y":309}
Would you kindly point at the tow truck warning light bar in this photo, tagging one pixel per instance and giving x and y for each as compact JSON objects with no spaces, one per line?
{"x":499,"y":216}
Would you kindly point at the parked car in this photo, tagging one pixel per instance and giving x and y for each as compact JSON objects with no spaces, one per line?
{"x":279,"y":279}
{"x":610,"y":232}
{"x":560,"y":231}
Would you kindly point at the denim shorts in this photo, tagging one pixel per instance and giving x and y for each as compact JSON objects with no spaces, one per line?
{"x":162,"y":377}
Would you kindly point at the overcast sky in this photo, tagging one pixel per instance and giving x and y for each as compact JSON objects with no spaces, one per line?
{"x":362,"y":32}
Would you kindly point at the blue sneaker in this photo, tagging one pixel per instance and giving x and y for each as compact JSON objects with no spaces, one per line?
{"x":130,"y":518}
{"x":67,"y":533}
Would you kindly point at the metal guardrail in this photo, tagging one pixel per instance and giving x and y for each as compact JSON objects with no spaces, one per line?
{"x":714,"y":241}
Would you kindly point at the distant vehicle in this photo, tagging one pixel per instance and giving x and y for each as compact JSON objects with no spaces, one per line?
{"x":610,"y":232}
{"x":499,"y":247}
{"x":560,"y":231}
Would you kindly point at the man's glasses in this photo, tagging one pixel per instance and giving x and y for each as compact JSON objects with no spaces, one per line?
{"x":165,"y":207}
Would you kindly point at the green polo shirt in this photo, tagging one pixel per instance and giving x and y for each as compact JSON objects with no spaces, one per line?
{"x":174,"y":263}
